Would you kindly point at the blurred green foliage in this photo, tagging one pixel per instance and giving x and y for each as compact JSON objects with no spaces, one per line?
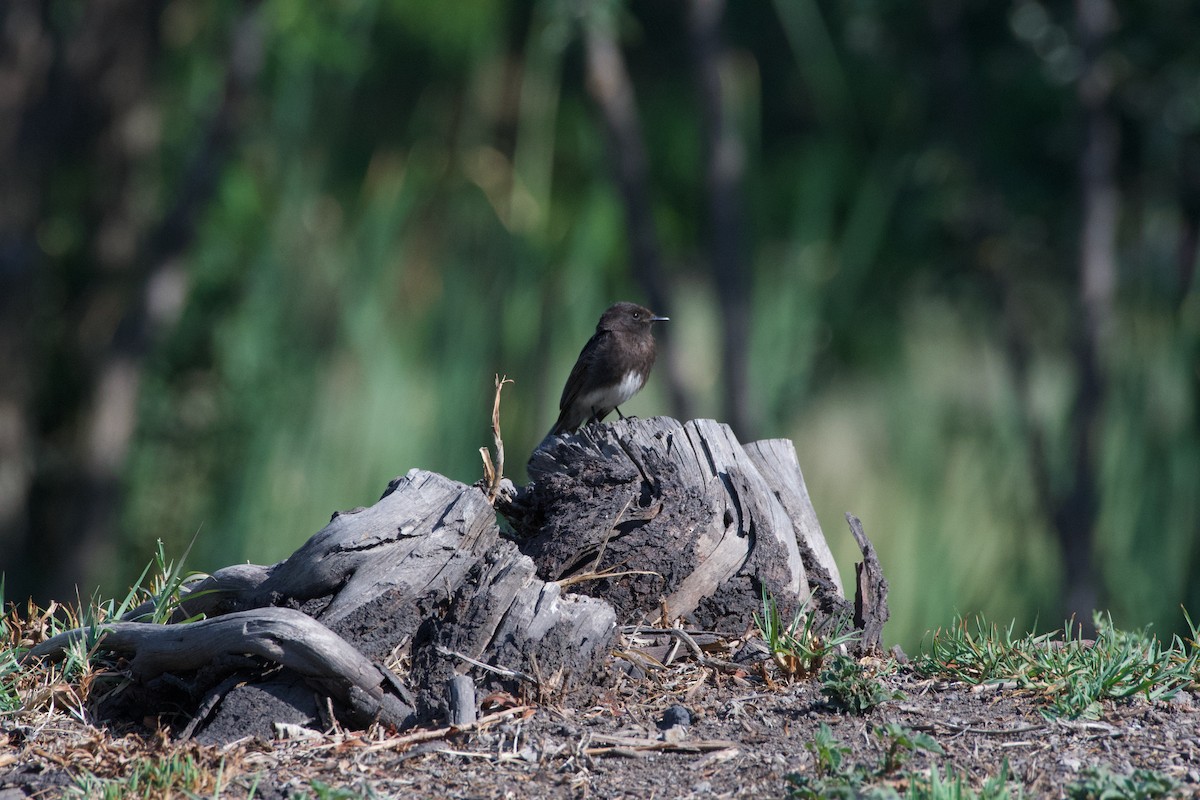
{"x":419,"y":198}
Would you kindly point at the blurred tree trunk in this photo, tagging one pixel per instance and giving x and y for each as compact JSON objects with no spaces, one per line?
{"x":724,"y":163}
{"x":74,"y":130}
{"x":1070,"y":505}
{"x":26,"y":56}
{"x":1075,"y":516}
{"x":611,"y":89}
{"x":954,"y":96}
{"x":94,"y":273}
{"x":1189,"y":205}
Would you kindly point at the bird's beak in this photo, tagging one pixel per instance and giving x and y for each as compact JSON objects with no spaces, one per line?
{"x":660,"y":319}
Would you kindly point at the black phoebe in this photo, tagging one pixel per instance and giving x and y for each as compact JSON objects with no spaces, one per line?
{"x":612,"y":367}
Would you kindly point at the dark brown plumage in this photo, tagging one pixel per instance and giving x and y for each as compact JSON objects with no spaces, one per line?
{"x":611,"y":368}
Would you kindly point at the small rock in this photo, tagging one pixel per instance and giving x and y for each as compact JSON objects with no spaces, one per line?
{"x":676,"y":733}
{"x":751,"y":652}
{"x":675,"y":715}
{"x":1182,"y":700}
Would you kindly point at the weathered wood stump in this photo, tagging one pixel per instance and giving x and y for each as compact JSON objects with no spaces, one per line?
{"x":384,"y":615}
{"x":663,"y":518}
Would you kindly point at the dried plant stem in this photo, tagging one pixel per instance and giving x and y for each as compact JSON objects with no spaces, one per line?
{"x":492,"y":475}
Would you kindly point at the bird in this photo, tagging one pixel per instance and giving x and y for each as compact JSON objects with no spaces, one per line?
{"x":611,"y":368}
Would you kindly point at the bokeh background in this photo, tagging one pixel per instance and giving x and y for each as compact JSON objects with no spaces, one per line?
{"x":260,"y":257}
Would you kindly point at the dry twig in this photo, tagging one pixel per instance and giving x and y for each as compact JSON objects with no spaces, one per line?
{"x":691,"y":644}
{"x":634,"y":747}
{"x":492,"y":475}
{"x":501,"y":671}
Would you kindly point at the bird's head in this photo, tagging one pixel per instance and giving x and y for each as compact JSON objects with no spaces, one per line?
{"x":628,"y":317}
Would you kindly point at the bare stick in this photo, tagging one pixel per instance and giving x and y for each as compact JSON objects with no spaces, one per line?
{"x":633,"y":747}
{"x":441,"y":733}
{"x":681,"y":635}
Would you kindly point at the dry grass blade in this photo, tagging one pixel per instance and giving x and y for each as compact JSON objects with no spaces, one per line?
{"x":596,"y":576}
{"x":493,"y":474}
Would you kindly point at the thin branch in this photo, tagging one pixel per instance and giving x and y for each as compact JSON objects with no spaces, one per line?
{"x":634,"y":748}
{"x":501,"y":671}
{"x":440,"y":733}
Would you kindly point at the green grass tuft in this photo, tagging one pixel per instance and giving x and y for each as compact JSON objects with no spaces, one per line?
{"x":172,"y":775}
{"x":84,"y":673}
{"x":1099,"y":783}
{"x":325,"y":791}
{"x":848,"y":686}
{"x":797,"y":646}
{"x":834,"y":775}
{"x":1071,"y":674}
{"x":953,"y":786}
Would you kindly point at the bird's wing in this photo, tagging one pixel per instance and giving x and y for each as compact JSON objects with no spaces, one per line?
{"x":578,"y":374}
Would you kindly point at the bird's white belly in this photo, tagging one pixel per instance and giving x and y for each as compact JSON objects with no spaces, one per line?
{"x":613,"y":396}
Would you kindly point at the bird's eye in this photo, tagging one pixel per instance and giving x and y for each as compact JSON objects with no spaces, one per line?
{"x":637,"y":315}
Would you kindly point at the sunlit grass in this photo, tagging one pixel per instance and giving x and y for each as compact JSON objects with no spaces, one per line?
{"x":1071,"y":675}
{"x":71,"y":682}
{"x":797,"y":646}
{"x":159,"y":777}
